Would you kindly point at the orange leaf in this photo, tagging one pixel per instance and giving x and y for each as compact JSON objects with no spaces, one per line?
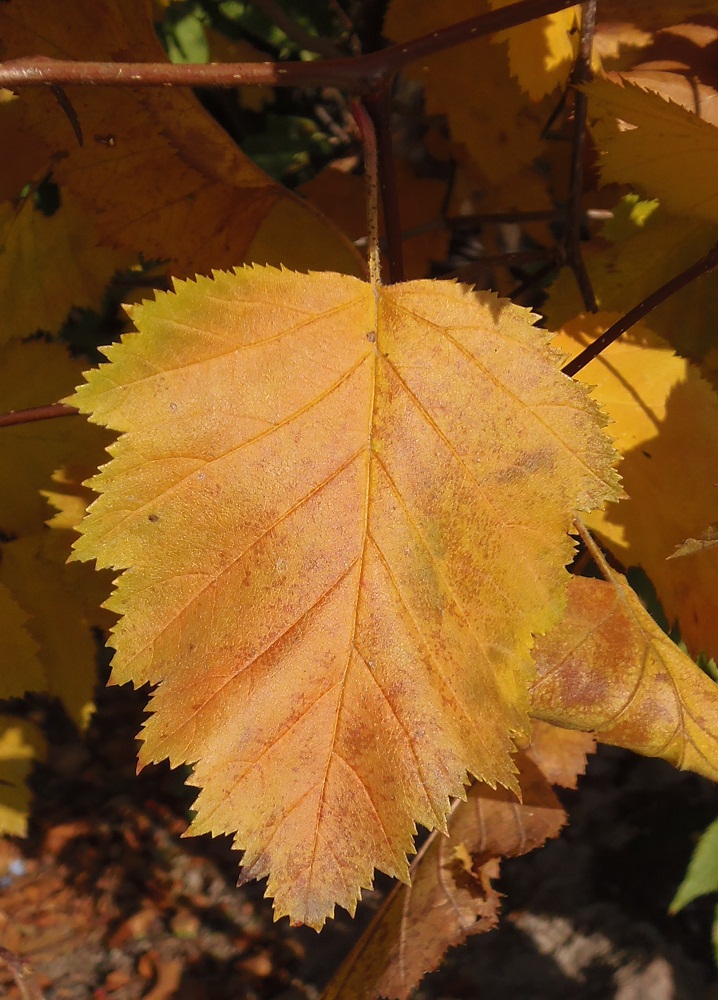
{"x":157,"y":173}
{"x":329,"y":499}
{"x":610,"y":670}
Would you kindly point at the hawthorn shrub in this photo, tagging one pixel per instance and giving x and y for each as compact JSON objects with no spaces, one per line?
{"x":362,"y":526}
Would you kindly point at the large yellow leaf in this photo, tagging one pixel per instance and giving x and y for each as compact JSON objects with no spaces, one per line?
{"x":665,"y":422}
{"x":657,"y":145}
{"x":343,"y":514}
{"x":201,"y":203}
{"x":496,"y":121}
{"x":609,"y":669}
{"x":450,"y":897}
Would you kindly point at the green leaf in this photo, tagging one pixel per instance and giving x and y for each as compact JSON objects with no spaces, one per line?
{"x":702,"y":875}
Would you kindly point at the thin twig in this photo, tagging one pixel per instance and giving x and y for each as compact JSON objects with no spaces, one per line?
{"x":379,"y":106}
{"x":359,"y":74}
{"x":275,"y":13}
{"x":582,"y":73}
{"x":50,"y":412}
{"x":696,"y":270}
{"x":591,"y":547}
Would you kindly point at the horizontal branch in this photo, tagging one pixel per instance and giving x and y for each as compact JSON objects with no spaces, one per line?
{"x":696,"y":270}
{"x":49,"y":412}
{"x":360,"y":74}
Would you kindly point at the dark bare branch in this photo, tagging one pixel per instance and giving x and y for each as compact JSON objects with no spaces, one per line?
{"x":697,"y":270}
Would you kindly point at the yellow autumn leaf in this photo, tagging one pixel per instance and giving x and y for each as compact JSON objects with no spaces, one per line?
{"x":495,"y":120}
{"x":201,"y":202}
{"x":62,"y":608}
{"x":641,"y":249}
{"x":49,"y":264}
{"x":20,"y":668}
{"x":34,"y":374}
{"x":328,"y":503}
{"x":657,"y":145}
{"x":21,"y":744}
{"x":610,"y":670}
{"x":665,"y":425}
{"x":542,"y":51}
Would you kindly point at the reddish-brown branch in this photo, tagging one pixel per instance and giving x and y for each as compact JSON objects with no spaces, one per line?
{"x":701,"y":267}
{"x":49,"y":412}
{"x":379,"y":106}
{"x":365,"y":123}
{"x":359,"y":74}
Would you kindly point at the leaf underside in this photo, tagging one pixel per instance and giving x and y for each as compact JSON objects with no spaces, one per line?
{"x":610,"y":670}
{"x":341,"y":517}
{"x":451,"y":896}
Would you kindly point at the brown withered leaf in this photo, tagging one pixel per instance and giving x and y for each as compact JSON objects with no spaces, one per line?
{"x":560,"y":754}
{"x":708,"y":540}
{"x":451,"y":896}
